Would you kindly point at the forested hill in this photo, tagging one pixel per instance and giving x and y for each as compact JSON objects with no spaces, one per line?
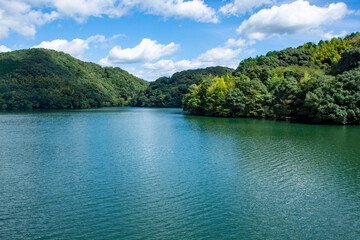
{"x":318,"y":83}
{"x":44,"y":79}
{"x":169,"y":92}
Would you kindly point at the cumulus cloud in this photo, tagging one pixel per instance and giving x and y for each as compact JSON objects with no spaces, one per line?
{"x":148,"y":50}
{"x":194,"y":9}
{"x":239,"y":7}
{"x":330,"y":35}
{"x":231,"y":42}
{"x":23,"y":16}
{"x":296,"y":17}
{"x":80,"y":10}
{"x":4,"y":49}
{"x":18,"y":16}
{"x":75,"y":47}
{"x":218,"y":55}
{"x":166,"y":67}
{"x":213,"y":57}
{"x":226,"y":55}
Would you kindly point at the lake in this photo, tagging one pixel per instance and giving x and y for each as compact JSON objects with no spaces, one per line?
{"x":135,"y":173}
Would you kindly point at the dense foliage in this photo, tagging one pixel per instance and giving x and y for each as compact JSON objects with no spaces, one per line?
{"x":317,"y":83}
{"x":46,"y":79}
{"x":169,"y":92}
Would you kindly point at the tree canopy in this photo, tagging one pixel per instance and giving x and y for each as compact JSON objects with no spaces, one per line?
{"x":169,"y":91}
{"x":318,"y":83}
{"x":46,"y":79}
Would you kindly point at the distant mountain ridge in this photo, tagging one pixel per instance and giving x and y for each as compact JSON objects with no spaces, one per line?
{"x":47,"y":79}
{"x":316,"y":83}
{"x":169,"y":91}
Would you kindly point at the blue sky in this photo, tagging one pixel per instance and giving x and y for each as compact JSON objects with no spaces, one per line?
{"x":153,"y":38}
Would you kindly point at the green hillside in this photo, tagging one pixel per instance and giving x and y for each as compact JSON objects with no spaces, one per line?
{"x":318,"y":83}
{"x":46,"y":79}
{"x":169,"y":92}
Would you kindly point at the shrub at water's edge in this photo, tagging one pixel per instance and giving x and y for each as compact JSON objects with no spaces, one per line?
{"x":47,"y":79}
{"x":313,"y":83}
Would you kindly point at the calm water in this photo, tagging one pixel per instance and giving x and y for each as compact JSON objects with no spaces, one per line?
{"x":125,"y":173}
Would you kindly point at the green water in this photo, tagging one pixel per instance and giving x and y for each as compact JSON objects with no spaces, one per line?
{"x":128,"y":173}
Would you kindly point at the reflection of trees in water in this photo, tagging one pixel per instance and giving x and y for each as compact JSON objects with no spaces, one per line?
{"x":313,"y":148}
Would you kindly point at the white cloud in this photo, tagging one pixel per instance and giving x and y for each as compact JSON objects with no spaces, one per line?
{"x":231,"y":42}
{"x":194,"y":9}
{"x":18,"y":16}
{"x":148,"y":50}
{"x":330,"y":35}
{"x":23,"y":16}
{"x":75,"y":47}
{"x":167,"y":67}
{"x":239,"y":7}
{"x":4,"y":49}
{"x":218,"y":55}
{"x":102,"y":39}
{"x":80,"y":10}
{"x":296,"y":17}
{"x":213,"y":57}
{"x":226,"y":55}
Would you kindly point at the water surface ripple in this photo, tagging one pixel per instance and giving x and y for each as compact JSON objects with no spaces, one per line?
{"x":123,"y":173}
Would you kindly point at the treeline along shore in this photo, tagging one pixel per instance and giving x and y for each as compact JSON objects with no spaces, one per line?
{"x":315,"y":83}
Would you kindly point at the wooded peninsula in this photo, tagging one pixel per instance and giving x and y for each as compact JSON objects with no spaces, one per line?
{"x":315,"y":83}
